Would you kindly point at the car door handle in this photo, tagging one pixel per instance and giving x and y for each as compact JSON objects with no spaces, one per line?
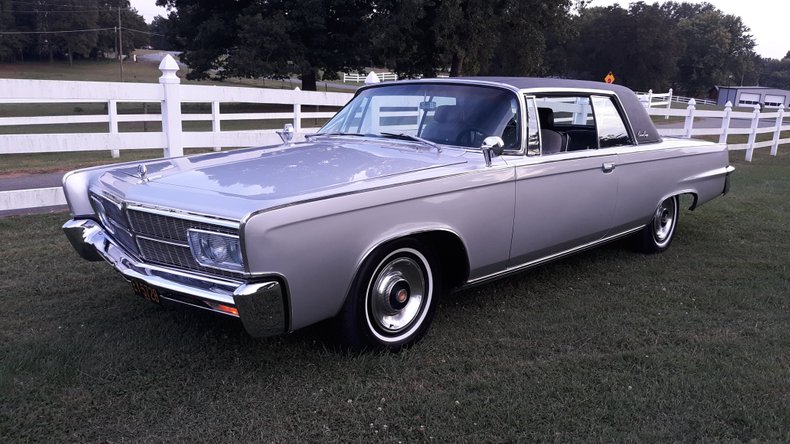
{"x":607,"y":167}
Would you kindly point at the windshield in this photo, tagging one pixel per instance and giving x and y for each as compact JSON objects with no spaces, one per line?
{"x":460,"y":115}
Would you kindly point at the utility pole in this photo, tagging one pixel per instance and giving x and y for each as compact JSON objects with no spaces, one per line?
{"x":120,"y":42}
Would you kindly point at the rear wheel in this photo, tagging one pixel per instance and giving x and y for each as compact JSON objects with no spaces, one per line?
{"x":392,"y":300}
{"x":658,"y":234}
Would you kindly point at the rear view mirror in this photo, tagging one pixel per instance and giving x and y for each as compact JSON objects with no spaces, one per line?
{"x":428,"y":106}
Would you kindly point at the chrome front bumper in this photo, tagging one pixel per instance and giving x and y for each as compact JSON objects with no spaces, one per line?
{"x":261,"y":305}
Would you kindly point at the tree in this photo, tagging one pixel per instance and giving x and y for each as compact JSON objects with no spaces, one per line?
{"x":84,"y":16}
{"x":10,"y":45}
{"x":161,"y":33}
{"x":638,"y":44}
{"x":498,"y":37}
{"x":718,"y":47}
{"x":272,"y":38}
{"x":406,"y":37}
{"x":526,"y":31}
{"x":776,"y":73}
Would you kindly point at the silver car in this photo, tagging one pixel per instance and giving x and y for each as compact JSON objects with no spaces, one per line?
{"x":412,"y":190}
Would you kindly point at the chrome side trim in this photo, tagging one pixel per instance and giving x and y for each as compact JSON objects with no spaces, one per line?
{"x":182,"y":215}
{"x":712,"y":173}
{"x":536,"y":262}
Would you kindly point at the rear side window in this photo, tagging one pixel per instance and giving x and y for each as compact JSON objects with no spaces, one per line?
{"x":611,"y":128}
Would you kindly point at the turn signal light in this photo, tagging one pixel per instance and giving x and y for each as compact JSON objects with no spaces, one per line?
{"x":225,"y":308}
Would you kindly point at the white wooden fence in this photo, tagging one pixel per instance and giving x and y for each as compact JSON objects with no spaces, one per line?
{"x":171,"y":95}
{"x":651,"y":99}
{"x":727,"y":122}
{"x":359,"y":78}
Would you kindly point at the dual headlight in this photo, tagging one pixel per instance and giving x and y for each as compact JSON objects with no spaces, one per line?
{"x":216,"y":250}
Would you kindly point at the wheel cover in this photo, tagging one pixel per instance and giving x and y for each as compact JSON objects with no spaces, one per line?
{"x":664,"y":221}
{"x":398,"y":295}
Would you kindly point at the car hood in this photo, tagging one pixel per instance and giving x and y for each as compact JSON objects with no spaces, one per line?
{"x":265,"y":177}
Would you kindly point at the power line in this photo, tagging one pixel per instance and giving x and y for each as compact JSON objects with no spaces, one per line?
{"x":46,"y":11}
{"x":55,"y":32}
{"x":42,"y":4}
{"x":142,"y":32}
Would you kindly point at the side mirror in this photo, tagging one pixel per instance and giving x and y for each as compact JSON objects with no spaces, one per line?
{"x":492,"y":146}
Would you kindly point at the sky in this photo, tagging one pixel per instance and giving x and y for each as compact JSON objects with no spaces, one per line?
{"x":767,"y":19}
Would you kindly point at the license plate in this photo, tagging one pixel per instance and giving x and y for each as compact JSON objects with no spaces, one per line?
{"x":145,"y":291}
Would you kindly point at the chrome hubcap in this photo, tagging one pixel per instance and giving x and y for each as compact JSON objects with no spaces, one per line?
{"x":397,"y":294}
{"x":664,"y":220}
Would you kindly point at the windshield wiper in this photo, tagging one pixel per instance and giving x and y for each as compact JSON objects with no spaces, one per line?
{"x":336,"y":134}
{"x":403,"y":136}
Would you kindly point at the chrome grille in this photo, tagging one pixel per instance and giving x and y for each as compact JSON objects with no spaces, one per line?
{"x":159,"y":238}
{"x":175,"y":255}
{"x":169,"y":228}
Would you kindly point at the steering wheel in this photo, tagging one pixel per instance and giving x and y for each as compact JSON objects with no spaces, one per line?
{"x":472,"y":137}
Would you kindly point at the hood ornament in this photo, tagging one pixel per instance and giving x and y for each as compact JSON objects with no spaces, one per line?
{"x":287,"y":134}
{"x":142,"y":170}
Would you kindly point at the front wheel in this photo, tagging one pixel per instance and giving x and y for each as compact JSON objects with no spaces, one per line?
{"x":392,"y":300}
{"x":658,"y":234}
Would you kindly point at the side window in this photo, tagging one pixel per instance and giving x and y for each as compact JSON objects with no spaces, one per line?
{"x":567,"y":123}
{"x":611,"y":128}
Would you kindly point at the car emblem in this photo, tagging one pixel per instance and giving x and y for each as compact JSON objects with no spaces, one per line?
{"x":142,"y":170}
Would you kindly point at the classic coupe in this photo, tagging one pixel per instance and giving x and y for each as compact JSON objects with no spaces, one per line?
{"x":412,"y":190}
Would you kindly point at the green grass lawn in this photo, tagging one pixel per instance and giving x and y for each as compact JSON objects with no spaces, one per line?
{"x":610,"y":345}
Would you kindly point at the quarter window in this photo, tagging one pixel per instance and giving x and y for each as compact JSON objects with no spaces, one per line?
{"x":611,"y":129}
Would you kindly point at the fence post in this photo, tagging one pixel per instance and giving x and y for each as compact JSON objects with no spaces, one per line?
{"x":753,"y":133}
{"x":298,"y":110}
{"x":112,"y":111}
{"x":689,"y":119}
{"x":780,"y":115}
{"x":725,"y":123}
{"x":215,"y":125}
{"x":669,"y":104}
{"x":649,"y":98}
{"x":171,"y":107}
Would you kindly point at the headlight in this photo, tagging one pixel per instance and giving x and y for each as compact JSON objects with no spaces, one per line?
{"x":216,"y":250}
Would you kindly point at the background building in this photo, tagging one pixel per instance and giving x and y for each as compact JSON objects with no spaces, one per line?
{"x":753,"y":95}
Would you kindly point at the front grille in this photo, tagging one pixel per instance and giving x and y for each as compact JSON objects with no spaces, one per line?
{"x":169,"y":228}
{"x":178,"y":256}
{"x":159,"y":238}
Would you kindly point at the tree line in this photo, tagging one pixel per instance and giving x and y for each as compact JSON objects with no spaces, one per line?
{"x":67,"y":29}
{"x":685,"y":46}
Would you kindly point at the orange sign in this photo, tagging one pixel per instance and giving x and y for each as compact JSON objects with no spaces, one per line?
{"x":609,"y":78}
